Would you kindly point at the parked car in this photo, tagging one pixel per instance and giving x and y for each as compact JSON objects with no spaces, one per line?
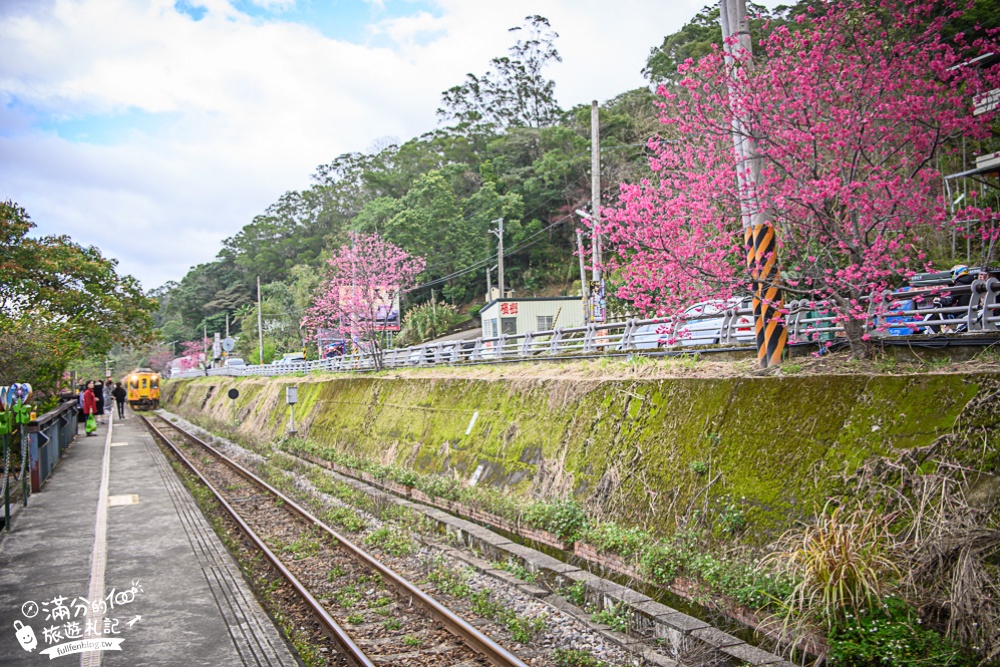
{"x":901,"y":321}
{"x":703,"y":322}
{"x":415,"y":357}
{"x":648,"y":336}
{"x":234,"y":361}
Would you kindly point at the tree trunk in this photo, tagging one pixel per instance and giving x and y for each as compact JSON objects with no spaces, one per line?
{"x":855,"y":330}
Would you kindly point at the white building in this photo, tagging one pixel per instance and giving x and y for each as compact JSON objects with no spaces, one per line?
{"x":518,"y":316}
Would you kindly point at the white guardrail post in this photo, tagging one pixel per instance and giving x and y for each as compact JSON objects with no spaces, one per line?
{"x":554,"y":342}
{"x":991,"y":304}
{"x":590,"y":339}
{"x":628,"y":334}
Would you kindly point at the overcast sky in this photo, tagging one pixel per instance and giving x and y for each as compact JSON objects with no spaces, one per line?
{"x":154,"y":129}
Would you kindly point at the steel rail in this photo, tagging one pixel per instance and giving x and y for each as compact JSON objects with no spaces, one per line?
{"x":477,"y":641}
{"x":354,"y":652}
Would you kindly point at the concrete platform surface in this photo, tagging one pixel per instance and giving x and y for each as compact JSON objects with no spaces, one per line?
{"x":113,"y":564}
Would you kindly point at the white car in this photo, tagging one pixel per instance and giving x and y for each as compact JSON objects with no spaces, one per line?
{"x":649,"y":336}
{"x":703,"y":322}
{"x":234,"y":361}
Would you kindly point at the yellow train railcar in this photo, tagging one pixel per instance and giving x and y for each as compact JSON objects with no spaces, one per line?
{"x":143,"y":387}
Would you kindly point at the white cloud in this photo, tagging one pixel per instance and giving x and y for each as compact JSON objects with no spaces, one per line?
{"x":274,"y":5}
{"x":242,"y":109}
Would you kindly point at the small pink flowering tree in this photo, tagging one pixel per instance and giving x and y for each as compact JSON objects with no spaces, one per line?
{"x":364,"y":281}
{"x":160,"y":360}
{"x":849,"y":116}
{"x":191,"y":352}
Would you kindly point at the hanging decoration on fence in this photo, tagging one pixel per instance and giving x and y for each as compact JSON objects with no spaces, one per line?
{"x":14,"y":411}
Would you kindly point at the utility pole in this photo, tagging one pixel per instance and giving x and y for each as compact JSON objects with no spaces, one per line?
{"x":204,"y":342}
{"x":499,"y":234}
{"x":583,"y":275}
{"x":260,"y":322}
{"x":595,"y":185}
{"x":758,"y":229}
{"x":227,"y":324}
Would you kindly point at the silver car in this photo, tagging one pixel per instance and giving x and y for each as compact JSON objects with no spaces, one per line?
{"x":702,"y":322}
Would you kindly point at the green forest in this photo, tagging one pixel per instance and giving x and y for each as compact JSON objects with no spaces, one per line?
{"x":504,"y":147}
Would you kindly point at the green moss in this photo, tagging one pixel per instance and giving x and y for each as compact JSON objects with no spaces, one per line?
{"x":770,"y":447}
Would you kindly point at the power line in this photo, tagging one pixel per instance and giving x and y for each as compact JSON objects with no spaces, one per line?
{"x":484,"y":262}
{"x":480,"y":264}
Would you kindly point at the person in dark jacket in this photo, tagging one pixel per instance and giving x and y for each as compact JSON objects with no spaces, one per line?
{"x":98,"y":388}
{"x":79,"y":397}
{"x":119,"y":394}
{"x":109,"y":398}
{"x":960,"y":276}
{"x":89,"y":402}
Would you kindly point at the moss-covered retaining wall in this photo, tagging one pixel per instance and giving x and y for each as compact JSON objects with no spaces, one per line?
{"x":765,"y":449}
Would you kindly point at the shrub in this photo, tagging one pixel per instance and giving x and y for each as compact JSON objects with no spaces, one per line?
{"x":618,"y":617}
{"x":568,"y":657}
{"x":612,"y":538}
{"x":564,"y":518}
{"x":890,"y":635}
{"x":662,"y":562}
{"x":438,"y":486}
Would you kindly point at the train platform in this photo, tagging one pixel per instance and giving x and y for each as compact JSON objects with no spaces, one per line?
{"x":112,"y":563}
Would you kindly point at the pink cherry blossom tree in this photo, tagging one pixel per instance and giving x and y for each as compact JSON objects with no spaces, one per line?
{"x":160,"y":360}
{"x":850,"y":115}
{"x":363,"y":283}
{"x":191,"y":352}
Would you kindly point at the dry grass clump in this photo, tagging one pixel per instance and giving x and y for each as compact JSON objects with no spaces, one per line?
{"x":843,"y":563}
{"x":947,"y":525}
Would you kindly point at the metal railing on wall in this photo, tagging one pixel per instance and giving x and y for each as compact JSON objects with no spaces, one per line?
{"x":48,"y":438}
{"x":713,"y":328}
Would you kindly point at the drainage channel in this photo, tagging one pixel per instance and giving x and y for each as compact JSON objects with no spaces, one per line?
{"x":713,"y":617}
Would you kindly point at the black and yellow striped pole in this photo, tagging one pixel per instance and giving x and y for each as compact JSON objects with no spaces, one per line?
{"x":758,"y":230}
{"x":765,"y":275}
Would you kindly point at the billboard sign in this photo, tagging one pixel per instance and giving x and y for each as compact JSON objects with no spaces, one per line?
{"x":382,"y":303}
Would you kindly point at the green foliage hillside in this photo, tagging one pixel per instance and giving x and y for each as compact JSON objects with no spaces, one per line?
{"x":510,"y":152}
{"x":505,"y":149}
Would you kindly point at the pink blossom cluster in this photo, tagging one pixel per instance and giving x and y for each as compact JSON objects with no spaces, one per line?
{"x":851,"y":114}
{"x":191,"y":352}
{"x":364,"y":278}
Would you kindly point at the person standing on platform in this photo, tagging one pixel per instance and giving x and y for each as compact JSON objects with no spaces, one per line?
{"x":89,"y":403}
{"x":79,"y":403}
{"x":98,"y":389}
{"x":119,"y":393}
{"x":109,"y":389}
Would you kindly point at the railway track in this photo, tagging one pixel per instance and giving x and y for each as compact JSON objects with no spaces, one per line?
{"x":372,"y":615}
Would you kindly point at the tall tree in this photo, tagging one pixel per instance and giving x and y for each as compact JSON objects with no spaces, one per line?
{"x":694,"y":41}
{"x":513,"y":92}
{"x":849,"y":116}
{"x":59,"y":300}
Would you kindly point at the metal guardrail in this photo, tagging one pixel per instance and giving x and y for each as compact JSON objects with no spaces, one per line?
{"x":48,"y":439}
{"x":43,"y":442}
{"x":806,"y":320}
